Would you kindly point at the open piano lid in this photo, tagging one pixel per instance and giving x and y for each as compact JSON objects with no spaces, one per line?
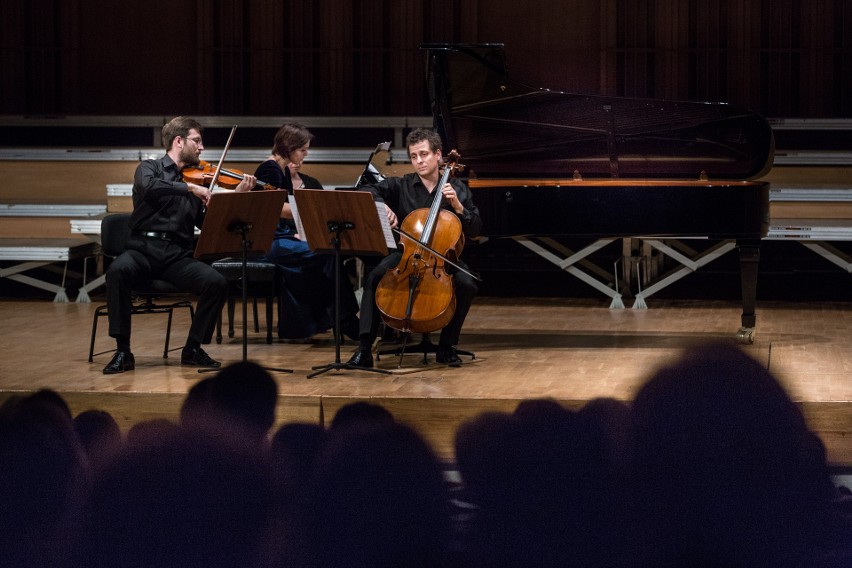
{"x":505,"y":129}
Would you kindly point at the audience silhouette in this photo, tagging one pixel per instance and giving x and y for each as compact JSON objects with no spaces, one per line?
{"x":241,"y":396}
{"x":99,"y":435}
{"x":377,"y":498}
{"x":186,"y":497}
{"x":43,"y":473}
{"x":712,"y":464}
{"x":294,"y":451}
{"x":545,"y":485}
{"x":360,"y":414}
{"x":726,"y":472}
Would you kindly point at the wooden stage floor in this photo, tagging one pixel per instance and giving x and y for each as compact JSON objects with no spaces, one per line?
{"x":572,"y":350}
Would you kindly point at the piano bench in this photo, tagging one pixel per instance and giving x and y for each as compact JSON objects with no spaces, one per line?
{"x":262,"y":281}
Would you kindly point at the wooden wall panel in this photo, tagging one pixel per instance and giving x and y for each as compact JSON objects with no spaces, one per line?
{"x":784,"y":58}
{"x":300,"y":94}
{"x":370,"y":87}
{"x":37,"y":41}
{"x":403,"y":59}
{"x":132,"y":61}
{"x":266,"y":43}
{"x":740,"y":73}
{"x":816,"y":56}
{"x":72,"y":182}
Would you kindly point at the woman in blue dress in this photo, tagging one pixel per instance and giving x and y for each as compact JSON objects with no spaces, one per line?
{"x":306,"y":300}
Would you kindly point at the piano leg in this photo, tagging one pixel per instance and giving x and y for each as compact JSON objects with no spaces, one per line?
{"x":749,"y":258}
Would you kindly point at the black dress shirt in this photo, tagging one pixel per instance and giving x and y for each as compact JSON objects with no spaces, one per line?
{"x":162,"y":201}
{"x":407,"y":193}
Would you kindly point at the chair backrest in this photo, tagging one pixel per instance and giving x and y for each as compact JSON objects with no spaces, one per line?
{"x":115,"y":230}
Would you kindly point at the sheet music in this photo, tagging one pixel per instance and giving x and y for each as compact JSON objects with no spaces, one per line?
{"x":380,"y":213}
{"x":386,"y":229}
{"x":300,"y":230}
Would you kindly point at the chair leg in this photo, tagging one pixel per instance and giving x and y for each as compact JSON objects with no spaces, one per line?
{"x":270,"y":301}
{"x":231,"y":303}
{"x":219,"y":328}
{"x":168,"y":334}
{"x":254,"y":312}
{"x":94,"y":332}
{"x":101,"y":311}
{"x":186,"y":304}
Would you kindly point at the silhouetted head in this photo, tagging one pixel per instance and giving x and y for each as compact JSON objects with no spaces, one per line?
{"x":190,"y":497}
{"x":725,"y":465}
{"x":241,"y":396}
{"x":99,"y":434}
{"x":42,"y":474}
{"x":361,"y":414}
{"x":378,"y":499}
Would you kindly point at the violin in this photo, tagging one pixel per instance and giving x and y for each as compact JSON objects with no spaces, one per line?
{"x":418,"y":294}
{"x":203,"y":173}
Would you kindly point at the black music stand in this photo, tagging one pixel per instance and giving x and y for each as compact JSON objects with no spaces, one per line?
{"x":353,"y":221}
{"x":240,"y":223}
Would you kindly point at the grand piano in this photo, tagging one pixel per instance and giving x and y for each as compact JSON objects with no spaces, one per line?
{"x":544,"y":164}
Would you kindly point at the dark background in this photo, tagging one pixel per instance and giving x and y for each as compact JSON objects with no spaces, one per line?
{"x":781,"y":58}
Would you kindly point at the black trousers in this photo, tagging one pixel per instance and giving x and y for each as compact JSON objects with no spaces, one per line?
{"x":146,"y":258}
{"x":465,"y":291}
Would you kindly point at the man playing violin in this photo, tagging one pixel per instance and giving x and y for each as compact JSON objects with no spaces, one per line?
{"x":401,"y":196}
{"x":166,"y":209}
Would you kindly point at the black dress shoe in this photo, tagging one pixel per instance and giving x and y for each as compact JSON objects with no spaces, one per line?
{"x":120,"y":362}
{"x":448,"y":356}
{"x":198,"y":358}
{"x":363,"y":359}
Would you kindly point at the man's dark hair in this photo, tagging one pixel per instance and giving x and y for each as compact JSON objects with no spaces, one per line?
{"x":420,"y":134}
{"x":178,"y":126}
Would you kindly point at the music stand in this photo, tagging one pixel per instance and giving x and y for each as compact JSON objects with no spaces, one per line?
{"x":353,"y":221}
{"x":239,"y":223}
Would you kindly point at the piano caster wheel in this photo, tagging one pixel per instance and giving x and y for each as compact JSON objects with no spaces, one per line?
{"x":745,"y":335}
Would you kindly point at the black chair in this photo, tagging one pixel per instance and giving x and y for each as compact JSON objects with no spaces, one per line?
{"x":262,"y":278}
{"x":115,"y":230}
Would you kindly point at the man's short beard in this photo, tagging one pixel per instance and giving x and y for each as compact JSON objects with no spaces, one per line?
{"x":189,"y":157}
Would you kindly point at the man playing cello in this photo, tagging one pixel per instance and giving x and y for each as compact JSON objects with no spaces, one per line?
{"x":402,"y":196}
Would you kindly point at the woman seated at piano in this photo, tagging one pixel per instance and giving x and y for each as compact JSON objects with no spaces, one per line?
{"x":401,"y":196}
{"x":306,"y":299}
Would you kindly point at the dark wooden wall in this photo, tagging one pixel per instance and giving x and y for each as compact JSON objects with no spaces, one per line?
{"x":783,"y":58}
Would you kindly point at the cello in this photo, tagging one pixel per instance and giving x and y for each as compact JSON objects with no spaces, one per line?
{"x":418,"y":295}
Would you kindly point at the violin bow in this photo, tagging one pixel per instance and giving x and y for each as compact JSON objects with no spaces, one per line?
{"x":436,"y":253}
{"x":222,"y":159}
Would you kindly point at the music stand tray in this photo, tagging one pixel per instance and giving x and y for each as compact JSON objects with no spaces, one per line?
{"x":335,"y":221}
{"x":236,"y":224}
{"x":260,"y":209}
